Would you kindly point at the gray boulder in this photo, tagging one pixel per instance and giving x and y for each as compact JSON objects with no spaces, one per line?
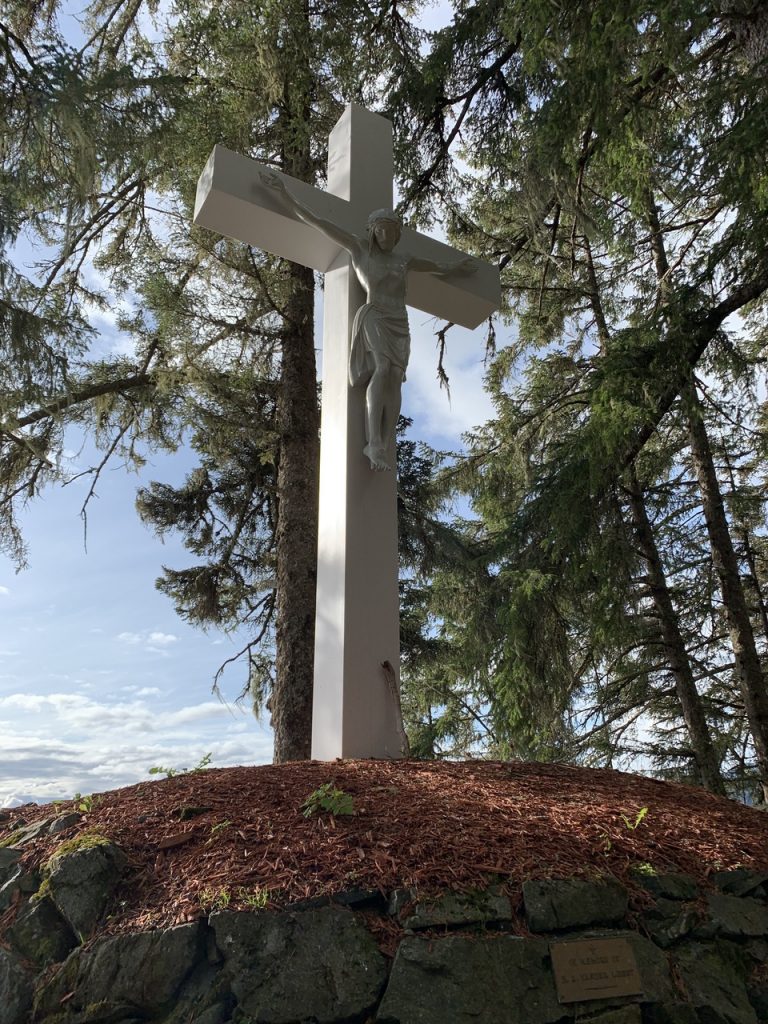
{"x":462,"y":909}
{"x":18,"y":881}
{"x":320,"y":965}
{"x":64,"y":821}
{"x":715,"y":988}
{"x":26,"y":833}
{"x":672,"y":886}
{"x":742,"y":882}
{"x":15,"y":989}
{"x":734,"y":917}
{"x":9,"y":887}
{"x":122,"y":977}
{"x":81,"y":881}
{"x":204,"y":998}
{"x":622,"y":1015}
{"x":41,"y":934}
{"x":669,"y":921}
{"x":9,"y":858}
{"x":671,"y":1013}
{"x":555,"y":904}
{"x":466,"y":980}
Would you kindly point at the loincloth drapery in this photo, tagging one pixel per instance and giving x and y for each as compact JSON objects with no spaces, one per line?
{"x":380,"y":330}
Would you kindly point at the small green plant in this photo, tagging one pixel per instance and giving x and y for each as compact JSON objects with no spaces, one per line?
{"x":217,"y":830}
{"x":330,"y":799}
{"x":214,"y":899}
{"x":169,"y":773}
{"x":256,"y":899}
{"x":605,"y":841}
{"x":644,"y":868}
{"x":86,"y":803}
{"x":638,"y":820}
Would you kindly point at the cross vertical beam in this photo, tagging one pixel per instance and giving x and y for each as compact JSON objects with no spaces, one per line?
{"x":357,"y":625}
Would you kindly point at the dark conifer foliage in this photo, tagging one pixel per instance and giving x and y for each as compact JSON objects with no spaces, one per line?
{"x":609,"y":159}
{"x":587,"y":581}
{"x":103,"y":142}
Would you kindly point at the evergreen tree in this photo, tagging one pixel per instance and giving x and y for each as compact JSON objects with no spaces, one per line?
{"x":102,"y":147}
{"x":592,"y":135}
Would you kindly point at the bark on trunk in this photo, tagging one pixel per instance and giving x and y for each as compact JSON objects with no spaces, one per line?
{"x":297,"y":483}
{"x":706,"y":759}
{"x":749,"y":672}
{"x":743,"y":534}
{"x":298,"y":426}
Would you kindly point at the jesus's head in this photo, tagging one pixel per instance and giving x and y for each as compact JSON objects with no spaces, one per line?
{"x":384,"y":229}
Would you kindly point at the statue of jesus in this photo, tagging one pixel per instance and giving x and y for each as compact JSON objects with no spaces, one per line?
{"x":381,"y":341}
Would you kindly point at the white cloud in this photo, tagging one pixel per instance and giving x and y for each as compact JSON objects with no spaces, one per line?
{"x":154,"y":641}
{"x":32,"y":702}
{"x":12,"y":800}
{"x":57,"y":744}
{"x":196,"y":713}
{"x":142,"y":691}
{"x":162,"y":639}
{"x":77,"y":712}
{"x":129,"y":638}
{"x":4,"y":591}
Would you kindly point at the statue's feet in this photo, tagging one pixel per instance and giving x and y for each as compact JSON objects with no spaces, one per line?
{"x":377,"y":456}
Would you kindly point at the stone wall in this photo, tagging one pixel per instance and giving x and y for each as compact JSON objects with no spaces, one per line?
{"x":702,"y":956}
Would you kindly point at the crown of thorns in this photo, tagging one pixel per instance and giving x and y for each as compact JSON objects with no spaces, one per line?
{"x":383,"y":215}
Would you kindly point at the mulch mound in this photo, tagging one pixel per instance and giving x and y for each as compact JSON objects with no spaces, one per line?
{"x":426,"y":825}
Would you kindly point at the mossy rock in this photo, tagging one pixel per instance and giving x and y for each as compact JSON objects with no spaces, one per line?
{"x":137,"y":975}
{"x":81,"y":876}
{"x":41,"y":934}
{"x":15,"y":989}
{"x":84,"y":841}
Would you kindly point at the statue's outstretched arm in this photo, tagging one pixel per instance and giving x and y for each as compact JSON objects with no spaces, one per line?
{"x":466,"y":265}
{"x":343,"y":238}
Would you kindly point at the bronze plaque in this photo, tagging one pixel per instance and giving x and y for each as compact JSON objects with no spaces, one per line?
{"x":594,"y":969}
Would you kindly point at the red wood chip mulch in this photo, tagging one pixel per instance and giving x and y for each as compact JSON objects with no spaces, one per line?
{"x":429,"y":825}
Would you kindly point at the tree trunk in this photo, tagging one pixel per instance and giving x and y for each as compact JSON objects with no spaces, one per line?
{"x":743,"y":533}
{"x":297,"y":486}
{"x":749,"y":672}
{"x":704,"y":754}
{"x":298,"y":426}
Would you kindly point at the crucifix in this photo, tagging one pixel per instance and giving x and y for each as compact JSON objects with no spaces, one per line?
{"x":349,"y":233}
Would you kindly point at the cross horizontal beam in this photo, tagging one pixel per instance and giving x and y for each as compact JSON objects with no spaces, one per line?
{"x":232,"y":200}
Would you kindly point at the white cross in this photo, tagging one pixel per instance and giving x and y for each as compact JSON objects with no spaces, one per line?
{"x":357,"y":626}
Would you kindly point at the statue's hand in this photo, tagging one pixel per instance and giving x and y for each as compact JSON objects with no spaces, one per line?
{"x":468,"y":265}
{"x":460,"y":268}
{"x":272,"y":180}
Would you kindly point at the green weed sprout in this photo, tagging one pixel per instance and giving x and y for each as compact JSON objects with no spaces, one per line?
{"x":86,"y":803}
{"x":217,"y":830}
{"x":214,"y":899}
{"x":169,"y":773}
{"x":329,"y":799}
{"x":638,"y":820}
{"x":256,"y":899}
